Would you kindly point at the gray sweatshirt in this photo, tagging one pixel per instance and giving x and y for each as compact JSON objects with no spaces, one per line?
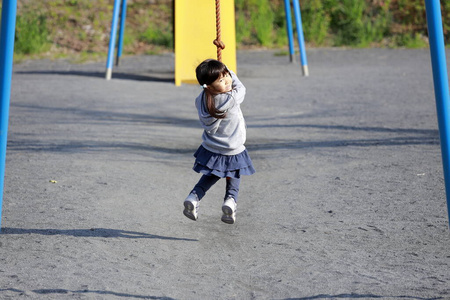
{"x":224,"y":136}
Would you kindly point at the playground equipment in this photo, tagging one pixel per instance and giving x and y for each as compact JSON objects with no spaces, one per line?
{"x":9,"y":9}
{"x":440,"y":79}
{"x":112,"y":39}
{"x":196,"y":23}
{"x":300,"y":37}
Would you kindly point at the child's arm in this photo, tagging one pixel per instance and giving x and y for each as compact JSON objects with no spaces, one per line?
{"x":238,"y":89}
{"x":234,"y":97}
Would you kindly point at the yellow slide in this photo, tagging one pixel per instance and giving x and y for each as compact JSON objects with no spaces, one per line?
{"x":195,"y":31}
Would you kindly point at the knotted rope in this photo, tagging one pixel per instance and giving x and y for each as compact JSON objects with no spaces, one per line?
{"x":219,"y":44}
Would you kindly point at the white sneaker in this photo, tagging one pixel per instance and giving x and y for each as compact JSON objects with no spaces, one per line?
{"x":229,"y":211}
{"x":191,"y":206}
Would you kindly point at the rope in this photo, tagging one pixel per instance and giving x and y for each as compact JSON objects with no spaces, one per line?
{"x":219,"y":44}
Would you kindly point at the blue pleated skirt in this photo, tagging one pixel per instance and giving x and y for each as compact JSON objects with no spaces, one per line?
{"x":210,"y":163}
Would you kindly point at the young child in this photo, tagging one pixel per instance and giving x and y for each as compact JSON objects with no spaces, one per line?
{"x":222,"y":153}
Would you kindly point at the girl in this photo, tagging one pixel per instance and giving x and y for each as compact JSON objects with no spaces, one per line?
{"x":222,"y":153}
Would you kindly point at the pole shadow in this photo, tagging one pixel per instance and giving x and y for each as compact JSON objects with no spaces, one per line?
{"x":92,"y":146}
{"x":93,"y":232}
{"x":361,"y":296}
{"x":151,"y":76}
{"x":102,"y":293}
{"x":90,"y":116}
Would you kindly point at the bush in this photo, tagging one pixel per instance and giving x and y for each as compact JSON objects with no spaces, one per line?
{"x":410,"y":41}
{"x":31,"y":34}
{"x":262,"y":18}
{"x":317,"y":22}
{"x":347,"y":21}
{"x":254,"y":22}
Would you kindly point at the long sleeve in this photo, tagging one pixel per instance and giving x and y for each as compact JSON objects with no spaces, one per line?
{"x":234,"y":97}
{"x":208,"y":122}
{"x":225,"y":136}
{"x":238,"y":89}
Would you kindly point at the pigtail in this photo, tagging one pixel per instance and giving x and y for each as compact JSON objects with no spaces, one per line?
{"x":207,"y":72}
{"x":211,"y":106}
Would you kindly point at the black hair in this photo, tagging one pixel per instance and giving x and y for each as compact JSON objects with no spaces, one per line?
{"x":207,"y":72}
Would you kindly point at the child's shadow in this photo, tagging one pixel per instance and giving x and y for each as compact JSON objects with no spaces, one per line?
{"x":93,"y":232}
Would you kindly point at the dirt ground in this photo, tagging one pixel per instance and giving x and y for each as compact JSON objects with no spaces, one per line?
{"x":348,"y":201}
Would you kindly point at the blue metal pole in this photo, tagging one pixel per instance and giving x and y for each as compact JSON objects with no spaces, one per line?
{"x":8,"y":23}
{"x":123,"y":16}
{"x":441,"y":90}
{"x":287,"y":9}
{"x":301,"y":39}
{"x":112,"y":39}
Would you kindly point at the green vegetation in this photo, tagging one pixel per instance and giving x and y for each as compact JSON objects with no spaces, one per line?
{"x":355,"y":23}
{"x":31,"y":34}
{"x":157,"y":36}
{"x":55,"y":28}
{"x":314,"y":14}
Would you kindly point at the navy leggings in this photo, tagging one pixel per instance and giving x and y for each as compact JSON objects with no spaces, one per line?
{"x":207,"y":181}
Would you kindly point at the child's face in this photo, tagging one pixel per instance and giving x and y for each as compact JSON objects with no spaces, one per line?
{"x":222,"y":84}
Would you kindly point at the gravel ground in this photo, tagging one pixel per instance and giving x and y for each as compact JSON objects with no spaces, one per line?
{"x":348,"y":201}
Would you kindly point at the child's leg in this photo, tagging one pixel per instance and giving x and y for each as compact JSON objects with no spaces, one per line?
{"x":191,"y":203}
{"x":204,"y":184}
{"x":232,"y":188}
{"x":229,"y":205}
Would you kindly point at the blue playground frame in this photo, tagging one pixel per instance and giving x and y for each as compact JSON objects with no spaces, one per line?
{"x":9,"y":11}
{"x":440,"y":79}
{"x":122,"y":6}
